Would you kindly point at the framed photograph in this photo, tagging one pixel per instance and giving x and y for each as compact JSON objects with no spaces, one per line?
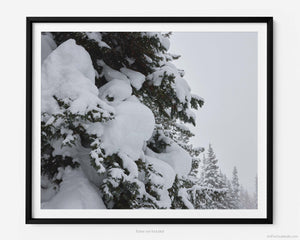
{"x":149,"y":120}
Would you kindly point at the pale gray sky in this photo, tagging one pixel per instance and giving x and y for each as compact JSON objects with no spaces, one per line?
{"x":222,"y":68}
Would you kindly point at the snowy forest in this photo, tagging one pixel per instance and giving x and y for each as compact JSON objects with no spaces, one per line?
{"x":115,"y":117}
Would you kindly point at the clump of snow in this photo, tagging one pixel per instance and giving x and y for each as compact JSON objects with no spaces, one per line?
{"x":165,"y":179}
{"x":83,"y":157}
{"x":183,"y":90}
{"x":132,"y":126}
{"x":95,"y":128}
{"x":148,"y":59}
{"x":68,"y":74}
{"x":98,"y":38}
{"x":68,"y":139}
{"x":164,"y":41}
{"x":115,"y":91}
{"x":156,"y":77}
{"x":47,"y":46}
{"x":161,"y":180}
{"x":136,"y":78}
{"x":61,"y":149}
{"x":129,"y":164}
{"x":75,"y":192}
{"x":130,"y":60}
{"x":110,"y":73}
{"x":197,"y":97}
{"x":182,"y":126}
{"x":190,"y":114}
{"x":180,"y":86}
{"x":184,"y":196}
{"x":167,"y":172}
{"x":176,"y":157}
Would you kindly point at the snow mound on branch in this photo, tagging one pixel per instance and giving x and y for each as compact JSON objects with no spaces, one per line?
{"x":75,"y":192}
{"x":129,"y":164}
{"x":136,"y":78}
{"x":68,"y":74}
{"x":185,"y":198}
{"x":47,"y":46}
{"x":115,"y":91}
{"x":167,"y":172}
{"x":176,"y":157}
{"x":180,"y":85}
{"x":110,"y":73}
{"x":197,"y":97}
{"x":190,"y":114}
{"x":130,"y":60}
{"x":183,"y":90}
{"x":165,"y":179}
{"x":60,"y":149}
{"x":164,"y":41}
{"x":98,"y":38}
{"x":127,"y":132}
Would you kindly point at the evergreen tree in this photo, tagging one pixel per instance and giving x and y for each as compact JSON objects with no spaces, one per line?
{"x":212,"y":177}
{"x":124,"y":53}
{"x":210,"y":191}
{"x":235,"y":188}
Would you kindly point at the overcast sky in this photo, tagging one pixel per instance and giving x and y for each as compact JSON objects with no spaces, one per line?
{"x":222,"y":68}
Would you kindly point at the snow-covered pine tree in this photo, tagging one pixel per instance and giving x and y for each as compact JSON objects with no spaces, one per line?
{"x":210,"y":190}
{"x":235,"y":188}
{"x":100,"y":88}
{"x":211,"y":170}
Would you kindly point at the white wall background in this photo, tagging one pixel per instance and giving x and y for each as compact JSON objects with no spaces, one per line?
{"x":286,"y":116}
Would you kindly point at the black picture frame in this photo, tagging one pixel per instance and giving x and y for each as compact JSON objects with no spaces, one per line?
{"x":29,"y":119}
